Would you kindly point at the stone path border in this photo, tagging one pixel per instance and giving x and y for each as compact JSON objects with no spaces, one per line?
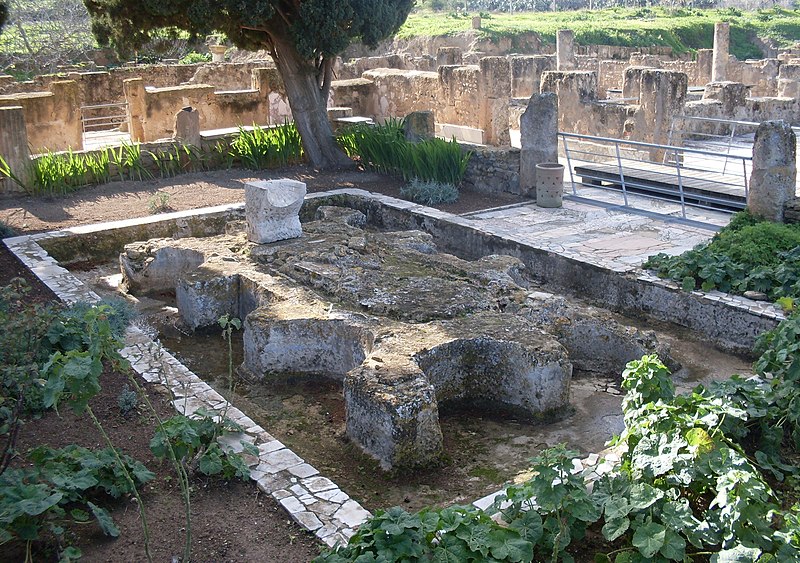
{"x":312,"y":500}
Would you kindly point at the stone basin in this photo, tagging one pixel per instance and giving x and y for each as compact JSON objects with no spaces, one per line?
{"x":404,"y":327}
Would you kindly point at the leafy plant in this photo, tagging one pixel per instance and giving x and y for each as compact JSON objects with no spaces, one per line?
{"x":64,"y":486}
{"x":268,"y":147}
{"x":384,"y":148}
{"x":194,"y":441}
{"x":194,"y":58}
{"x":747,"y":255}
{"x":552,"y":509}
{"x":429,"y":193}
{"x":127,"y":400}
{"x":458,"y":533}
{"x":159,"y":203}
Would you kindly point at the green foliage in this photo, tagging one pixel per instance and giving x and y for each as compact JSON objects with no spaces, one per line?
{"x":384,"y":148}
{"x":429,"y":193}
{"x":687,"y":487}
{"x":159,"y":203}
{"x":194,"y":443}
{"x":194,"y":58}
{"x":552,"y":509}
{"x":457,"y":534}
{"x":265,"y":147}
{"x":682,"y":29}
{"x":746,"y":255}
{"x":6,"y":230}
{"x":61,"y":487}
{"x":127,"y":400}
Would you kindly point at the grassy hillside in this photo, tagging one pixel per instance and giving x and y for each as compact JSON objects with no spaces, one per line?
{"x":682,"y":29}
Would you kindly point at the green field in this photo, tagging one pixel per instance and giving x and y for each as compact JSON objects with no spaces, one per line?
{"x":682,"y":29}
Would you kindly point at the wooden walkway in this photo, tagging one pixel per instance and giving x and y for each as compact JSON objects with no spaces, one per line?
{"x":705,"y":188}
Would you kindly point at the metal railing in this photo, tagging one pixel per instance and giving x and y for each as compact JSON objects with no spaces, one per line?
{"x":689,"y":176}
{"x":101,"y":122}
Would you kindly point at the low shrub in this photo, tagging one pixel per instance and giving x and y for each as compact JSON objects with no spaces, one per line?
{"x":746,"y":255}
{"x":429,"y":192}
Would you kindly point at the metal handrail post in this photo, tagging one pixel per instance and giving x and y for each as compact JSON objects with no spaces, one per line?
{"x":621,"y":175}
{"x":569,"y":165}
{"x":728,"y":152}
{"x":680,"y":185}
{"x":746,"y":183}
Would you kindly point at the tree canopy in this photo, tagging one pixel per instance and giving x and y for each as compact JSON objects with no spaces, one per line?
{"x":3,"y":13}
{"x":303,"y":36}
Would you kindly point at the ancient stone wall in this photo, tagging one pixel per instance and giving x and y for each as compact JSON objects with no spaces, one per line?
{"x":492,"y":170}
{"x":52,"y":119}
{"x":106,"y":86}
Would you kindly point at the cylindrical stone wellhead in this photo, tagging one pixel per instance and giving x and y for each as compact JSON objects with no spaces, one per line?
{"x":549,"y":184}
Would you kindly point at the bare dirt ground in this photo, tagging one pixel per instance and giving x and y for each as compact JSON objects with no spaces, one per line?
{"x":124,"y":200}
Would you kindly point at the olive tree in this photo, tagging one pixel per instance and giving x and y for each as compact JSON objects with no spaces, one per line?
{"x":303,"y":37}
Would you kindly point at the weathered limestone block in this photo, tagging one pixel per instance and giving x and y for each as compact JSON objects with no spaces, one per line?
{"x":662,"y":96}
{"x":345,"y":215}
{"x":788,"y":88}
{"x":704,"y":64}
{"x":732,"y":95}
{"x":448,"y":56}
{"x":285,"y":338}
{"x":539,"y":137}
{"x":526,"y":74}
{"x":136,"y":108}
{"x":565,"y":49}
{"x":773,"y":180}
{"x":203,"y":296}
{"x":272,"y":210}
{"x":532,"y":378}
{"x":419,"y":125}
{"x":719,"y":68}
{"x":393,"y":414}
{"x":14,"y":148}
{"x":495,"y":88}
{"x":156,"y":265}
{"x":187,"y":126}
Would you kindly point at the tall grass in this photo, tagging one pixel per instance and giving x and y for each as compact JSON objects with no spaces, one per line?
{"x":383,"y":148}
{"x":268,"y":147}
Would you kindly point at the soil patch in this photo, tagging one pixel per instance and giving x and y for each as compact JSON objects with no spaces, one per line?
{"x":125,"y":200}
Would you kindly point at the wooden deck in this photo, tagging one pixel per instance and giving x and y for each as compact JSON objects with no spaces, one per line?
{"x":709,"y":189}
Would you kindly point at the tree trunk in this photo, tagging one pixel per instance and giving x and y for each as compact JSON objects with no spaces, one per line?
{"x":309,"y":109}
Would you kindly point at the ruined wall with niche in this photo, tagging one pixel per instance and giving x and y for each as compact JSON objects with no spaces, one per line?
{"x":53,"y":118}
{"x":155,"y":108}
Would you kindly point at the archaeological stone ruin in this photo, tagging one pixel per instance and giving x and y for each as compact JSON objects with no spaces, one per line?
{"x":403,"y":326}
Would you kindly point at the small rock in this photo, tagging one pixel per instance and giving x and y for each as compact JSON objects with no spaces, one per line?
{"x":756,"y":295}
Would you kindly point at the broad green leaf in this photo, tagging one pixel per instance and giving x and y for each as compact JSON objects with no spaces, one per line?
{"x":700,"y":439}
{"x":451,"y":550}
{"x":644,"y":495}
{"x":210,"y":463}
{"x":79,"y":515}
{"x":614,"y":528}
{"x":649,"y":538}
{"x":104,"y":519}
{"x":396,"y":520}
{"x":617,"y":507}
{"x":674,"y":547}
{"x":738,"y":554}
{"x":39,"y":504}
{"x":507,"y":545}
{"x":528,"y":525}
